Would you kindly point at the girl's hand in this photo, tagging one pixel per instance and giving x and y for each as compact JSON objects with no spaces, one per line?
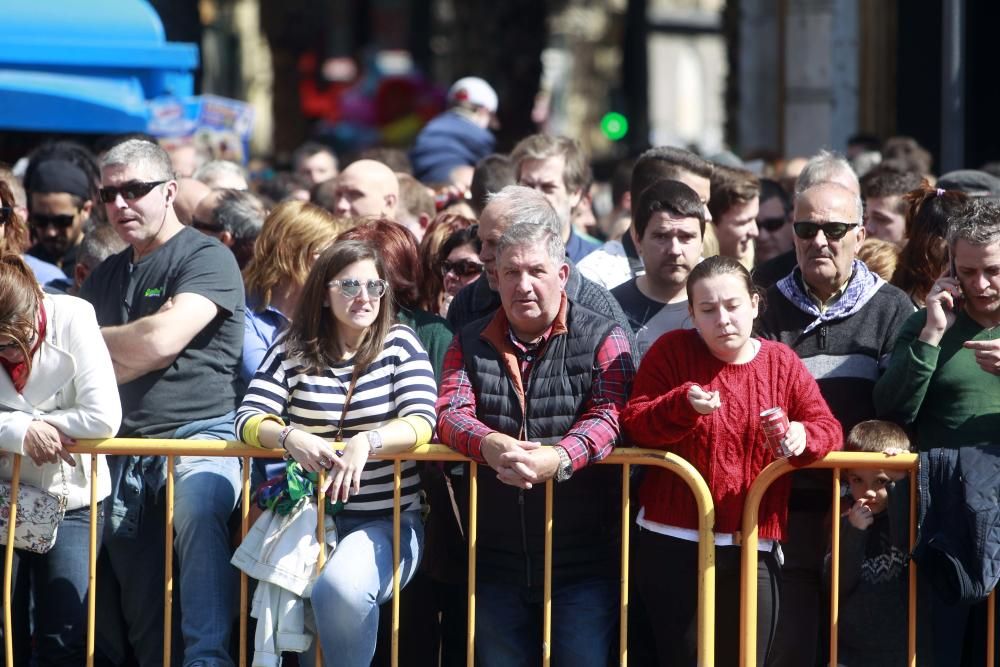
{"x":309,"y":451}
{"x":704,"y":402}
{"x":345,"y":478}
{"x":795,"y":440}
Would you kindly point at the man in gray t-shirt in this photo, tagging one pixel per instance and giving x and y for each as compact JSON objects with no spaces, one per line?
{"x":668,"y":227}
{"x":170,"y":308}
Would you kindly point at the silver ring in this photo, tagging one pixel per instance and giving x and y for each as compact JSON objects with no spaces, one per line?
{"x":324,"y":462}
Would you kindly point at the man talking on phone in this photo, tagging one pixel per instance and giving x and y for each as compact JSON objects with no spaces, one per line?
{"x":944,"y":381}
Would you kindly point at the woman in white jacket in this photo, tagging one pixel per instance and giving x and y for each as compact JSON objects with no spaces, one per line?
{"x":57,"y":384}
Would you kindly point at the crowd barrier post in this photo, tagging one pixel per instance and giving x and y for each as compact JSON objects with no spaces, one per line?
{"x":748,"y":579}
{"x":625,"y":457}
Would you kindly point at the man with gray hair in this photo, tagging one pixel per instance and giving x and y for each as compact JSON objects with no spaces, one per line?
{"x":517,"y":203}
{"x":943,"y":382}
{"x":824,"y":167}
{"x":534,"y":391}
{"x":170,"y":308}
{"x":235,"y":217}
{"x":842,"y":320}
{"x":222,"y":174}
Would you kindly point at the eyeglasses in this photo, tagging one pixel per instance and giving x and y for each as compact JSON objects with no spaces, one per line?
{"x":463,"y":268}
{"x":351,"y":287}
{"x":40,"y":221}
{"x":129,"y":191}
{"x":6,"y":214}
{"x":771,"y":224}
{"x":831,"y":230}
{"x":213,"y":227}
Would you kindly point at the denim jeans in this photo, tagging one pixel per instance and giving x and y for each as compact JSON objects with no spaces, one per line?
{"x":205,"y":494}
{"x":357,"y":579}
{"x":58,"y":582}
{"x":509,"y":622}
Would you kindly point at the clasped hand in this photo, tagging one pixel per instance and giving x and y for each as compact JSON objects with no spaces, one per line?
{"x":520,"y":463}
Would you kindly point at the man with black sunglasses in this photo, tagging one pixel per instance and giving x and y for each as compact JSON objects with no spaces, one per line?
{"x":842,"y":321}
{"x":171,"y":309}
{"x":60,"y":200}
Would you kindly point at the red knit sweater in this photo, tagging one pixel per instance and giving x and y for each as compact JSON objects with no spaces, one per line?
{"x":728,"y":446}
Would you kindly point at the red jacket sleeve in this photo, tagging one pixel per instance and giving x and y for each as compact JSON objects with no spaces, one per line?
{"x":659,"y":413}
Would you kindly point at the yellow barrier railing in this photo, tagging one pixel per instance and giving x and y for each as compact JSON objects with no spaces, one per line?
{"x":626,"y":457}
{"x":835,"y":461}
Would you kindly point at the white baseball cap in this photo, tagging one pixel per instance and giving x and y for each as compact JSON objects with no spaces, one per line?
{"x":475,"y":91}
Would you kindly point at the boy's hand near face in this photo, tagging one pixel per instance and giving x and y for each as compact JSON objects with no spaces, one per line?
{"x":860,"y":515}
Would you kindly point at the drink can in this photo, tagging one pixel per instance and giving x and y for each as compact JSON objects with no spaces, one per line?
{"x":774,"y":423}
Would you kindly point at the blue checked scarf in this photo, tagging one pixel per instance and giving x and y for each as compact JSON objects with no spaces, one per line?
{"x":860,"y":288}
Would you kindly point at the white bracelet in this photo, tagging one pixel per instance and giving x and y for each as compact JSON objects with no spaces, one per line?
{"x":374,"y":442}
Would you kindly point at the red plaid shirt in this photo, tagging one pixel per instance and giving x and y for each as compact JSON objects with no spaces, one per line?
{"x":590,"y":439}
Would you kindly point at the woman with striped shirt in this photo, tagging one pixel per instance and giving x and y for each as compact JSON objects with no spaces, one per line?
{"x":343,"y":372}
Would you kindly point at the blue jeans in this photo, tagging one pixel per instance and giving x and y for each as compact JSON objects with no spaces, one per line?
{"x":509,"y":623}
{"x":357,"y":579}
{"x":205,"y":494}
{"x":57,"y":581}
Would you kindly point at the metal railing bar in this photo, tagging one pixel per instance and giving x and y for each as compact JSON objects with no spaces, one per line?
{"x":168,"y":567}
{"x":8,"y":564}
{"x":547,"y":580}
{"x":626,"y":527}
{"x":244,"y":581}
{"x":92,"y":566}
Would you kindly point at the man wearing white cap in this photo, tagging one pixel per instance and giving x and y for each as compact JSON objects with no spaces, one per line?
{"x":460,"y":136}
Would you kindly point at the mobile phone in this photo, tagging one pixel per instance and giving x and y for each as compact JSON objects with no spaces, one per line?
{"x":953,"y":273}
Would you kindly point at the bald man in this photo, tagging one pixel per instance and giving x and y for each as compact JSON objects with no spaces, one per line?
{"x":189,"y":193}
{"x":366,"y":188}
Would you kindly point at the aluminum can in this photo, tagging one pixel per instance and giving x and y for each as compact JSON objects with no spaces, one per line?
{"x":774,"y":423}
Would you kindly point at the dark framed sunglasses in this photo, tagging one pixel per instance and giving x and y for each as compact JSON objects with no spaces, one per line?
{"x":40,"y":221}
{"x":771,"y":224}
{"x":351,"y":287}
{"x":831,"y":230}
{"x":129,"y":191}
{"x":463,"y":268}
{"x":6,"y":214}
{"x":210,"y":227}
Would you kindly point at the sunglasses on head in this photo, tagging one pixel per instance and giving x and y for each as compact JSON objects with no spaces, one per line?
{"x":40,"y":221}
{"x":463,"y":268}
{"x":6,"y":213}
{"x":771,"y":224}
{"x":831,"y":230}
{"x":129,"y":191}
{"x":351,"y":287}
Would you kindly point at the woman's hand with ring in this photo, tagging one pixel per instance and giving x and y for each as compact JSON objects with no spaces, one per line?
{"x":345,"y":479}
{"x":309,"y":451}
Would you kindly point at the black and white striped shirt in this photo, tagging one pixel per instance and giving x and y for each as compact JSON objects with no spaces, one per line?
{"x":398,"y":383}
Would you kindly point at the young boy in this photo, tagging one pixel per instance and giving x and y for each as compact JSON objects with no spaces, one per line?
{"x":874,"y":553}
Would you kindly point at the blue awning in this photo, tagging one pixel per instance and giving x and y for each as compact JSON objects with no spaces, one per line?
{"x":71,"y":66}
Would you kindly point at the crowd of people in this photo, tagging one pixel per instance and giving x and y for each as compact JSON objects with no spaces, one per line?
{"x":484,"y":301}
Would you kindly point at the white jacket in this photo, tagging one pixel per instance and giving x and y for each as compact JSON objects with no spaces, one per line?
{"x":72,"y":387}
{"x":281,"y":553}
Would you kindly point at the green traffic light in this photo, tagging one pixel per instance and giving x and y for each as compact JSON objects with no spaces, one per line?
{"x":614,"y":125}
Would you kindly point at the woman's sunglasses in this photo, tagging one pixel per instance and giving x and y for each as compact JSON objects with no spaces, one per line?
{"x":831,"y":230}
{"x":463,"y":268}
{"x":351,"y":287}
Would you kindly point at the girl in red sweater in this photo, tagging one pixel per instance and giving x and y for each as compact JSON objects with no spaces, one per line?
{"x":699,"y":393}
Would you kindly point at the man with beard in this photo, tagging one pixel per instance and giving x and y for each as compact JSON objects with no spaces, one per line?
{"x":60,"y":199}
{"x":668,"y":228}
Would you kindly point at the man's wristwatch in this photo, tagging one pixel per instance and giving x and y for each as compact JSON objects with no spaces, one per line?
{"x":565,"y":469}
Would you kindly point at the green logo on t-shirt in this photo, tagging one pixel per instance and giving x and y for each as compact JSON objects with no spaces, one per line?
{"x":153,"y":291}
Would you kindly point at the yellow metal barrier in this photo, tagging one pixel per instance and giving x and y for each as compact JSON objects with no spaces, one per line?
{"x":626,"y":457}
{"x":835,"y":461}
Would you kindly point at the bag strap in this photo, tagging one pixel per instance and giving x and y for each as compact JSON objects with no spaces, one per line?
{"x":347,"y":405}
